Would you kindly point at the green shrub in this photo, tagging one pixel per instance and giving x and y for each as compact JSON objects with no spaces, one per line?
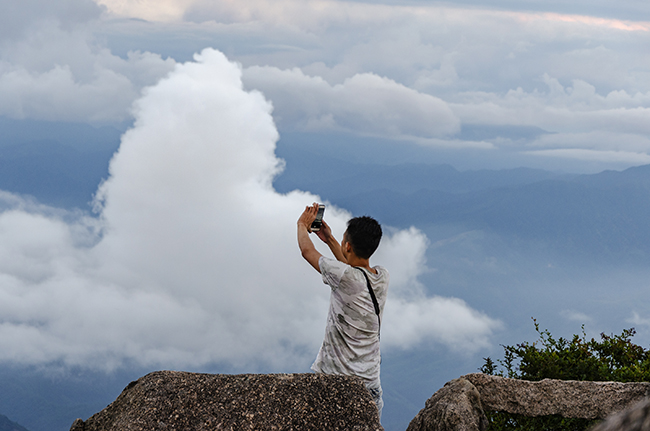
{"x":612,"y":358}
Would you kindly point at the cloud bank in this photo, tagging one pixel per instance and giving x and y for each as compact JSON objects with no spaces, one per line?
{"x":53,"y":68}
{"x":193,"y":259}
{"x":390,"y":70}
{"x":421,"y":73}
{"x":364,"y":104}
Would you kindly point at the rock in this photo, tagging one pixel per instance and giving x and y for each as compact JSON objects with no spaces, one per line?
{"x":181,"y":401}
{"x":77,"y":425}
{"x":455,"y":407}
{"x":567,"y":398}
{"x":636,"y":418}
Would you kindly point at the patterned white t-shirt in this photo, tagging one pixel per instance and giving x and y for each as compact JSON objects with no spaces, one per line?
{"x":351,"y":343}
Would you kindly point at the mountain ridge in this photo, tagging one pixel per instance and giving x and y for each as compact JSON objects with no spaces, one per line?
{"x":7,"y":425}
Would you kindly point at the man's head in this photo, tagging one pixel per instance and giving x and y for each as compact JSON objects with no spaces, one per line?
{"x":363,"y":235}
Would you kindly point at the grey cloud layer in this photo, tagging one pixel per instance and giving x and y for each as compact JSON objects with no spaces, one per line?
{"x":571,"y":75}
{"x":364,"y":103}
{"x":20,"y":19}
{"x":52,"y":68}
{"x":419,"y":71}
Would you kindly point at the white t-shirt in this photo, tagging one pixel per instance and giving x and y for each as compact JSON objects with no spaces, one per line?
{"x":351,"y":343}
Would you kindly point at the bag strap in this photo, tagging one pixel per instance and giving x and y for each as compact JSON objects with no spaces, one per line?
{"x":372,"y":295}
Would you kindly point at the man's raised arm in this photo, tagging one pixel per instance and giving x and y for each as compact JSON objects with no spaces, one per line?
{"x":307,"y":248}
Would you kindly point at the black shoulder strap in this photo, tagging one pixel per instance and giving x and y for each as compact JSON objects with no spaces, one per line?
{"x":372,"y":295}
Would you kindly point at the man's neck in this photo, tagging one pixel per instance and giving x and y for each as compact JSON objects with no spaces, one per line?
{"x":362,"y":263}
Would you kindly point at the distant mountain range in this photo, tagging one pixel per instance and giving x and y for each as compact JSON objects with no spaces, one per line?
{"x":604,"y":216}
{"x":7,"y":425}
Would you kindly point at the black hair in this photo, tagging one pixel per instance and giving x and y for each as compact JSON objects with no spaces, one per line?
{"x":363,"y":234}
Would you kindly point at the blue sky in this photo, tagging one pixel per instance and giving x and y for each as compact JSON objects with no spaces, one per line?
{"x":557,"y":85}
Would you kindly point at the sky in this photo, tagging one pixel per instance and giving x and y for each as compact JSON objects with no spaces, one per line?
{"x":190,"y":258}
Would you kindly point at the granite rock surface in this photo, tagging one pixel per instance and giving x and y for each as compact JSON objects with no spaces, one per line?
{"x":181,"y":401}
{"x":567,"y":398}
{"x":456,"y":406}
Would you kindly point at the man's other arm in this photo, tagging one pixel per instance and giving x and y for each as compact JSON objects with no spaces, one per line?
{"x":325,"y":234}
{"x":305,"y":244}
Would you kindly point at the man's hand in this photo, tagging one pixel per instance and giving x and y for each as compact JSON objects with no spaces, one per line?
{"x":308,"y":216}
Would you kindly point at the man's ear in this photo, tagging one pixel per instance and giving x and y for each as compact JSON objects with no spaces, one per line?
{"x":348,"y":247}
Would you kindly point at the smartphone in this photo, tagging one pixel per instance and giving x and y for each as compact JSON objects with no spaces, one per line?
{"x":318,"y":222}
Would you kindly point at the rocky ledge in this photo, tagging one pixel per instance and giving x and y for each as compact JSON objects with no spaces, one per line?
{"x":566,"y":398}
{"x":173,"y":400}
{"x":460,"y":404}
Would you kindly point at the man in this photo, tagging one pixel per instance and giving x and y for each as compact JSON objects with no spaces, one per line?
{"x":351,"y":343}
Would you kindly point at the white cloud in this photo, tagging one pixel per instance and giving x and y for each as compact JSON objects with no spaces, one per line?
{"x":583,"y":124}
{"x":445,"y":320}
{"x":193,"y":259}
{"x":636,"y":319}
{"x":413,"y":318}
{"x":364,"y":104}
{"x":153,"y":10}
{"x":576,"y":316}
{"x":60,"y":95}
{"x":559,"y":109}
{"x":57,"y":71}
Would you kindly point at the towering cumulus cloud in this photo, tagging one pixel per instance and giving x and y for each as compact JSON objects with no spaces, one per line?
{"x":193,"y":259}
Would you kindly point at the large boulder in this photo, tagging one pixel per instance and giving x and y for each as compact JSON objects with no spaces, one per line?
{"x":455,"y":407}
{"x":567,"y":398}
{"x":181,"y":401}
